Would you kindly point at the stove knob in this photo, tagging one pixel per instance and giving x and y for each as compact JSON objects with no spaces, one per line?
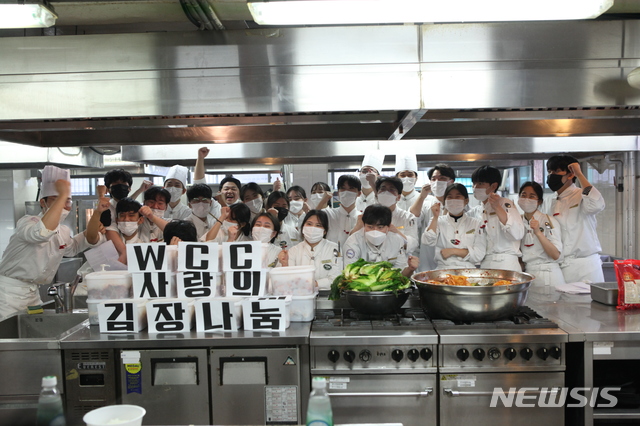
{"x":365,"y":355}
{"x":494,"y":353}
{"x":462,"y":354}
{"x":349,"y":356}
{"x":555,"y":352}
{"x":413,"y":355}
{"x":397,"y":355}
{"x":334,"y":356}
{"x":526,"y":353}
{"x":510,"y":353}
{"x":543,"y":353}
{"x":478,"y":354}
{"x":426,"y":354}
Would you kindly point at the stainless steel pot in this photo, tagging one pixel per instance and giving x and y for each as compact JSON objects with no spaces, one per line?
{"x":472,"y":303}
{"x":377,"y":302}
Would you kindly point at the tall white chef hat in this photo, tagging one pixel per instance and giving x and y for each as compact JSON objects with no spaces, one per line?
{"x":178,"y":172}
{"x":50,"y":174}
{"x":373,"y":159}
{"x":406,"y":161}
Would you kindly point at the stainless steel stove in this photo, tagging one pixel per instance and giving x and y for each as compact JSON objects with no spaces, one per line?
{"x":380,"y":369}
{"x":477,"y":361}
{"x":419,"y":371}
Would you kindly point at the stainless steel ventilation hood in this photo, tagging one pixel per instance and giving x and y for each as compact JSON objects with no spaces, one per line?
{"x":305,"y":90}
{"x":33,"y":157}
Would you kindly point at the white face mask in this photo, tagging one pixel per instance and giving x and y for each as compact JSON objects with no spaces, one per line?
{"x":295,"y":206}
{"x":175,"y":192}
{"x":375,"y":237}
{"x":408,"y":184}
{"x":313,"y":234}
{"x":255,"y":205}
{"x":438,"y":187}
{"x":527,"y":205}
{"x":201,"y":209}
{"x":63,"y":214}
{"x":387,"y":199}
{"x":480,"y":194}
{"x":315,"y":200}
{"x":158,"y":213}
{"x":455,"y":207}
{"x":128,"y":228}
{"x":347,"y":198}
{"x":261,"y":234}
{"x":365,"y":182}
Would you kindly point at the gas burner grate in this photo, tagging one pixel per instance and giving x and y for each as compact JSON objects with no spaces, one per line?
{"x":525,"y":318}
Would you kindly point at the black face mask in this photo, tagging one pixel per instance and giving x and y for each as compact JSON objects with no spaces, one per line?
{"x":119,"y":191}
{"x":554,"y":182}
{"x":282,"y":213}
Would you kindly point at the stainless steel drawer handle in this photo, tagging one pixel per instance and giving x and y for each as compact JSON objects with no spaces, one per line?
{"x":451,"y":392}
{"x":426,"y":392}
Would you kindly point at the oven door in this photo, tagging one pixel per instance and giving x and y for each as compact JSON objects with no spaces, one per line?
{"x":409,"y":399}
{"x":467,"y":399}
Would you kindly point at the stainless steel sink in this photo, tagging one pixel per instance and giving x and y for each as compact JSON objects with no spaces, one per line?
{"x":40,"y":326}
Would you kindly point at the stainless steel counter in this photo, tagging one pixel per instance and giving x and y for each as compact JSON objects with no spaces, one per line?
{"x":586,"y":320}
{"x":89,"y":337}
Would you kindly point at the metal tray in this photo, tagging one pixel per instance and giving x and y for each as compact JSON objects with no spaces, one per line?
{"x":606,"y":293}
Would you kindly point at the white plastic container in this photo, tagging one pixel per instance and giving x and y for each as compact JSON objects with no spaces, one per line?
{"x":292,"y":280}
{"x":131,"y":315}
{"x":303,"y":308}
{"x":105,"y":285}
{"x":121,"y":415}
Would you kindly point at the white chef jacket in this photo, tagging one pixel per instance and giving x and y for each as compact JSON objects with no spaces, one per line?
{"x":179,"y":212}
{"x":34,"y":253}
{"x":391,"y":250}
{"x":463,"y":233}
{"x":216,"y":208}
{"x":503,"y":241}
{"x":135,"y":240}
{"x":364,"y":201}
{"x":149,"y":232}
{"x":202,"y":227}
{"x":325,"y":256}
{"x":406,"y":223}
{"x":532,"y":251}
{"x":427,"y":252}
{"x":576,"y":214}
{"x":341,"y":223}
{"x":288,"y":237}
{"x":270,"y":254}
{"x":407,"y":201}
{"x":32,"y":258}
{"x":293,"y":220}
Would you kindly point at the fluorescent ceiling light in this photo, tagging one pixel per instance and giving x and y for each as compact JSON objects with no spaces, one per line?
{"x":26,"y":16}
{"x":335,"y":12}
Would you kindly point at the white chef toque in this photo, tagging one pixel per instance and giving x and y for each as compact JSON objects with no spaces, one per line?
{"x":406,"y":161}
{"x":178,"y":172}
{"x":50,"y":174}
{"x":373,"y":159}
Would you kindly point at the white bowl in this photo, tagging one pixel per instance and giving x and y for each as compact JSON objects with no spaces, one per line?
{"x":121,"y":415}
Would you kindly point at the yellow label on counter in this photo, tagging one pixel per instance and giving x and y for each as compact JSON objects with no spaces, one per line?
{"x":133,"y":368}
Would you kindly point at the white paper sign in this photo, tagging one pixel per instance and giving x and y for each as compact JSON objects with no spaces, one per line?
{"x":218,"y":315}
{"x":105,"y":254}
{"x":197,"y":284}
{"x":266,"y":313}
{"x":121,"y":316}
{"x":244,"y":256}
{"x":169,"y":315}
{"x":147,"y":257}
{"x":152,"y":285}
{"x":198,"y":257}
{"x":245,"y":283}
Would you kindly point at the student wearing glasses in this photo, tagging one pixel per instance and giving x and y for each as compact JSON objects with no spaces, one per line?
{"x":542,"y":243}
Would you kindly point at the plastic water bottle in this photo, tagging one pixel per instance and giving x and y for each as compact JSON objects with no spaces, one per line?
{"x":50,"y":410}
{"x":319,"y":411}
